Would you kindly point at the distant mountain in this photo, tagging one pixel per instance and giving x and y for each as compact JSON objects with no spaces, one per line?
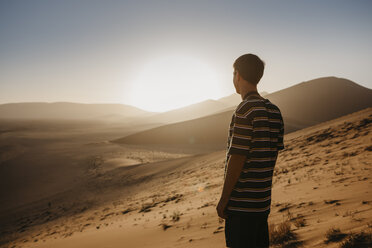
{"x":302,"y":105}
{"x":67,"y":110}
{"x":198,"y":110}
{"x":190,"y":112}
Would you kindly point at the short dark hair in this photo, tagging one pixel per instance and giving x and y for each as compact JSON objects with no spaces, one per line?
{"x":250,"y":67}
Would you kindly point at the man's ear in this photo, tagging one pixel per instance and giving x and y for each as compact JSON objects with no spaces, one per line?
{"x":237,"y":76}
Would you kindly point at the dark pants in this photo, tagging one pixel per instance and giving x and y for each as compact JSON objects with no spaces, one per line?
{"x":246,"y":231}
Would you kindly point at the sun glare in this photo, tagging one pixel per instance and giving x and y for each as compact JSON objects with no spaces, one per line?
{"x":172,"y":82}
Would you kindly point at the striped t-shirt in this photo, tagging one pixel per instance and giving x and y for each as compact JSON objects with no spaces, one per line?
{"x":256,"y":130}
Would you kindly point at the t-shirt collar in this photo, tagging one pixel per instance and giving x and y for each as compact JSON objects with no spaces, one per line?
{"x":250,"y":93}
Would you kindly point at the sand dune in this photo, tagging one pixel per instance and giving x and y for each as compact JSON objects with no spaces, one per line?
{"x":72,"y":183}
{"x":322,"y":180}
{"x":53,"y":156}
{"x":322,"y":99}
{"x":208,"y":131}
{"x":193,"y":111}
{"x":189,"y":112}
{"x":302,"y":105}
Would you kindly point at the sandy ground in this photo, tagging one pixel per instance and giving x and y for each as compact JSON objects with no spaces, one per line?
{"x":167,"y":199}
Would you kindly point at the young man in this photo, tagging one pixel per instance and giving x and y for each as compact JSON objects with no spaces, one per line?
{"x":255,"y":137}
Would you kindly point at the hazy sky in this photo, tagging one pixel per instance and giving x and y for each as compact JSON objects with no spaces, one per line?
{"x":160,"y":55}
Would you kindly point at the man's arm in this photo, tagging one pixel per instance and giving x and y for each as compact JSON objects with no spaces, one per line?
{"x":239,"y":149}
{"x":234,"y":168}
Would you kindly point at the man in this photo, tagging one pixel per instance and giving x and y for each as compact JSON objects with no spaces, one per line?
{"x":255,"y":137}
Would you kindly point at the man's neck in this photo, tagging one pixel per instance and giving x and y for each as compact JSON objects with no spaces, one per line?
{"x":246,"y":90}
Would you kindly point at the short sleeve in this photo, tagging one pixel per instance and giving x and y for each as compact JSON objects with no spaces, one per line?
{"x":242,"y":130}
{"x":280,"y":143}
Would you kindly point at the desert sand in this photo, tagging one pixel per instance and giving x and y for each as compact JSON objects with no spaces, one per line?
{"x":149,"y":197}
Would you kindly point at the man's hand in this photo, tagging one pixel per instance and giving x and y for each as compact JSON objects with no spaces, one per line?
{"x":221,"y":208}
{"x":234,"y":168}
